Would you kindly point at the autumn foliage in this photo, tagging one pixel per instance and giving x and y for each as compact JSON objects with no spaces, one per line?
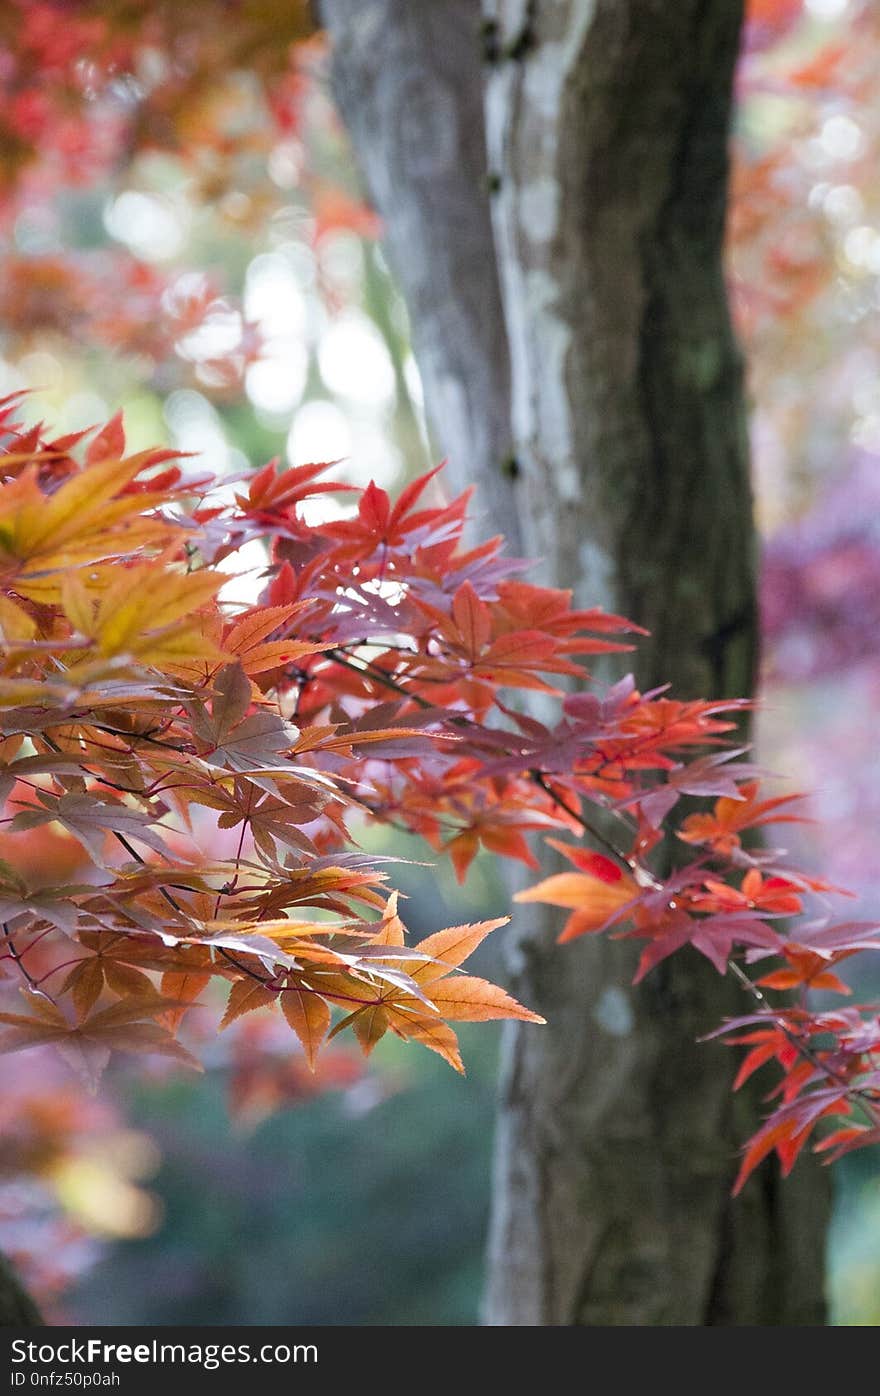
{"x":146,"y":722}
{"x":134,"y":696}
{"x":184,"y":777}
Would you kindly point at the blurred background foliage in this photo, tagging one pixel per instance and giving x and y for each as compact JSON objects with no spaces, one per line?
{"x":205,"y":263}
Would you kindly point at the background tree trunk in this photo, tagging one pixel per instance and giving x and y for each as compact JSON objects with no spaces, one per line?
{"x":408,"y":81}
{"x":607,"y":124}
{"x":17,"y":1309}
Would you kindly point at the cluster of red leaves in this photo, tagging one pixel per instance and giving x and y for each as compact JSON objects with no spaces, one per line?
{"x":733,"y":905}
{"x":131,"y":695}
{"x":377,"y":673}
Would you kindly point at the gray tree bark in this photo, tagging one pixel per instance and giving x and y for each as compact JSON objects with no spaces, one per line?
{"x":407,"y":79}
{"x":621,"y":457}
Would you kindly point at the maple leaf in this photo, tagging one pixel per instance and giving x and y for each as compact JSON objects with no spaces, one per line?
{"x":183,"y":987}
{"x":43,"y":536}
{"x":84,"y":983}
{"x":273,"y":821}
{"x":308,"y":1015}
{"x":523,"y":606}
{"x":237,"y":742}
{"x":86,"y":1046}
{"x":500,"y":831}
{"x":141,"y":612}
{"x":772,"y":895}
{"x":722,"y":829}
{"x":437,"y":1036}
{"x":245,"y":996}
{"x":370,"y":675}
{"x":109,"y":442}
{"x":90,"y":820}
{"x":378,"y":522}
{"x":788,"y":1129}
{"x":274,"y":492}
{"x":246,"y":639}
{"x":446,"y":950}
{"x":462,"y":998}
{"x":716,"y":936}
{"x":805,"y":970}
{"x":430,"y":982}
{"x":707,"y":775}
{"x":51,"y":904}
{"x":601,"y":894}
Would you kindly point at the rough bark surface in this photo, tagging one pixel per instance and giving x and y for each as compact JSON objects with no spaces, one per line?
{"x":17,"y":1309}
{"x":607,"y":125}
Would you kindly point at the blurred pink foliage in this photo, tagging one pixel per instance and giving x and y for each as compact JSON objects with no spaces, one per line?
{"x":820,"y":585}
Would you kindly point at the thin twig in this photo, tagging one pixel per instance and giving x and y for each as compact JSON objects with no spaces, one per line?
{"x":866,"y":1101}
{"x":33,"y":983}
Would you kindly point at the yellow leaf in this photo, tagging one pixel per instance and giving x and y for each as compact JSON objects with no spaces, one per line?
{"x":39,"y":522}
{"x":15,"y":624}
{"x":177,"y":649}
{"x":78,"y":603}
{"x":148,"y":598}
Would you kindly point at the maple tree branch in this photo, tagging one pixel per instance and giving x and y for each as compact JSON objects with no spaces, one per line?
{"x":177,"y":907}
{"x":540,"y":780}
{"x":368,"y":669}
{"x":141,"y":795}
{"x":286,"y":988}
{"x":245,"y":969}
{"x":803,"y":1049}
{"x":335,"y":997}
{"x":867,"y":1101}
{"x":131,"y":737}
{"x":373,"y":671}
{"x":229,"y":887}
{"x":854,"y":1093}
{"x":163,"y":891}
{"x":536,"y":777}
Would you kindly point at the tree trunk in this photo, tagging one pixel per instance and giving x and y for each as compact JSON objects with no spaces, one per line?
{"x":407,"y":79}
{"x":606,"y":123}
{"x":17,"y":1309}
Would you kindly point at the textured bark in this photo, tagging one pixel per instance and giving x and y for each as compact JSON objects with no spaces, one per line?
{"x":17,"y":1309}
{"x":607,"y":126}
{"x":608,"y":140}
{"x":606,"y":123}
